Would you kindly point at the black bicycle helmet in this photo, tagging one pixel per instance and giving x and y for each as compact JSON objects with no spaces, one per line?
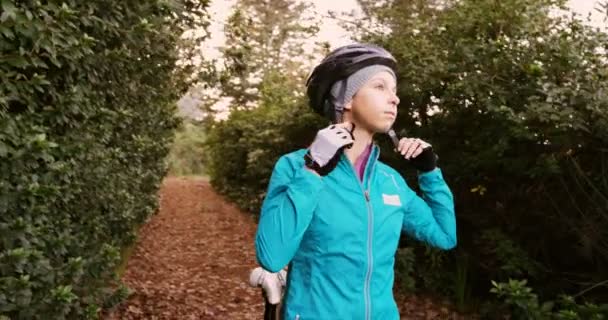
{"x":338,"y":65}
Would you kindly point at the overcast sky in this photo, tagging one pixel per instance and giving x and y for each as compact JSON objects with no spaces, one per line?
{"x":331,"y":32}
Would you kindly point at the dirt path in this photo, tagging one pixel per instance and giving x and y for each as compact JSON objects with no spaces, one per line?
{"x":192,"y":261}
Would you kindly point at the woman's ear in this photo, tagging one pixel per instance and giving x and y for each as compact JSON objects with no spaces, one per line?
{"x":348,"y":106}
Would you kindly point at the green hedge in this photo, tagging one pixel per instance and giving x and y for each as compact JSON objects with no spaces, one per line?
{"x":87,"y":92}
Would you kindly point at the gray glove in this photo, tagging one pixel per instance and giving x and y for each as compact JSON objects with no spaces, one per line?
{"x":272,"y":283}
{"x":325,"y":151}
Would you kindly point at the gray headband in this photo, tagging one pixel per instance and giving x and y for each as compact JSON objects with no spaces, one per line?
{"x":342,"y":91}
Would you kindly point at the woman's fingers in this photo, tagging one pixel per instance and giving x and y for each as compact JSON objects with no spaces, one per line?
{"x":417,"y":152}
{"x":347,"y":125}
{"x":411,"y":147}
{"x":404,"y":145}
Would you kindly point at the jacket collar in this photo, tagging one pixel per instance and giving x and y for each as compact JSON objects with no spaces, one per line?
{"x":371,"y":162}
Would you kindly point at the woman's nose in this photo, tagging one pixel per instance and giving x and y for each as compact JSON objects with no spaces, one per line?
{"x":394,"y":99}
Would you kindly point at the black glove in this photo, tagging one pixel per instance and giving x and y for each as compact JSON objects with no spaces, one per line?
{"x":426,"y":161}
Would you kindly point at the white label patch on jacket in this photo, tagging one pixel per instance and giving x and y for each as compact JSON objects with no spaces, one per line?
{"x":391,"y":199}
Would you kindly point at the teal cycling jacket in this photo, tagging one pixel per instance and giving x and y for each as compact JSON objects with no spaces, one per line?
{"x":339,"y":234}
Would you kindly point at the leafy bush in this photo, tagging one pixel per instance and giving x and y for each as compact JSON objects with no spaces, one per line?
{"x":524,"y":304}
{"x":87,"y":92}
{"x":242,"y":150}
{"x":405,"y":262}
{"x":514,"y":100}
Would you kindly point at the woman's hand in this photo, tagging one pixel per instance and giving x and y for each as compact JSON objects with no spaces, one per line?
{"x":325,"y":151}
{"x":419,"y":153}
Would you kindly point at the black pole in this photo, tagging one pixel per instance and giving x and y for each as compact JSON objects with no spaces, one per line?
{"x":270,"y":310}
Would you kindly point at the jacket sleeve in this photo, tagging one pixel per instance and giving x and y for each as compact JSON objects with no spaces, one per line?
{"x":431,"y":218}
{"x":286,"y":212}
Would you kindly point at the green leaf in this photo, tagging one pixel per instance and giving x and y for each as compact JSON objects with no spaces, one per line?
{"x":547,"y":306}
{"x":4,"y":149}
{"x":9,"y":11}
{"x":7,"y":32}
{"x":16,"y":61}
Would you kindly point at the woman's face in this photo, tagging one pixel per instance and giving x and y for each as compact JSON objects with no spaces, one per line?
{"x":374,"y":106}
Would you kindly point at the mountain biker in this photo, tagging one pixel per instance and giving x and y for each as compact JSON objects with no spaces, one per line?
{"x":334,"y":213}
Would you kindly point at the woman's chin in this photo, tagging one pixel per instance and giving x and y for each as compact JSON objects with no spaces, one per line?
{"x":381,"y":125}
{"x":383,"y":128}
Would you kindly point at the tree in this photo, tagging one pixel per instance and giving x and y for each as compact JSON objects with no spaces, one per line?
{"x":265,"y":37}
{"x":514,"y":100}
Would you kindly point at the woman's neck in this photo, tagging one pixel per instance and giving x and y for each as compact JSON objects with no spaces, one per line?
{"x":363,"y":139}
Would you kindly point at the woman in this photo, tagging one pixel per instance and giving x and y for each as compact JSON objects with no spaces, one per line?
{"x":334,"y":213}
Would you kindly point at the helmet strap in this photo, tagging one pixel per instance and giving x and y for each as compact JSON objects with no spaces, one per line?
{"x":338,"y":117}
{"x":339,"y":107}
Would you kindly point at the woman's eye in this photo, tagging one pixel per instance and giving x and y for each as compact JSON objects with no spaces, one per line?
{"x":380,"y":86}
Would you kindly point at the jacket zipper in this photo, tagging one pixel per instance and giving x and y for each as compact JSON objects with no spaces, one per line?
{"x":370,"y":230}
